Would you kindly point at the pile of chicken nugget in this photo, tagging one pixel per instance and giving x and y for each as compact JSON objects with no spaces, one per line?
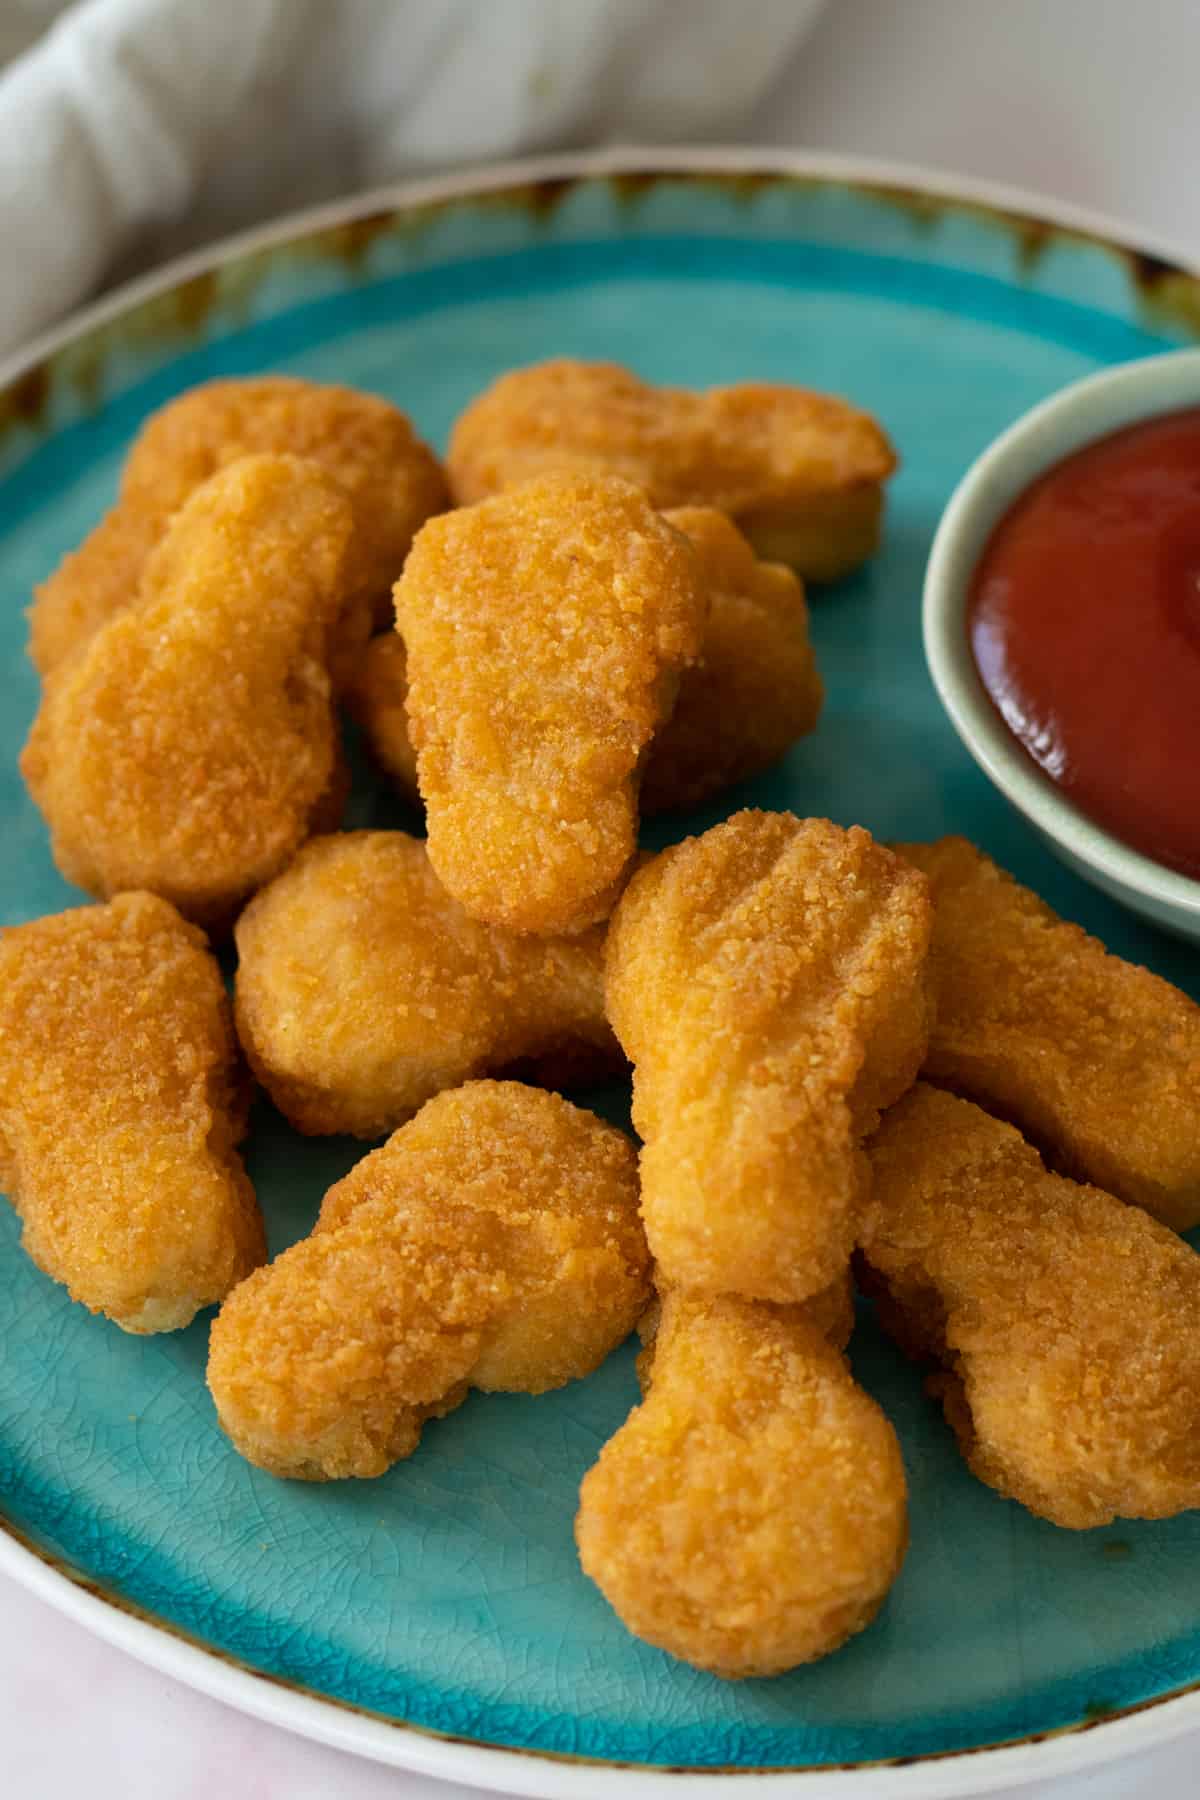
{"x":895,"y":1063}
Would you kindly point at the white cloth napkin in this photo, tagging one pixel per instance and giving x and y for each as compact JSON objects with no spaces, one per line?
{"x":136,"y":127}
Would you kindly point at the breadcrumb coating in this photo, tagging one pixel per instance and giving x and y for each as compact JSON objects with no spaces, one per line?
{"x":493,"y":1243}
{"x":393,"y":482}
{"x":363,"y":989}
{"x":546,"y":630}
{"x":91,"y":584}
{"x":1064,"y":1321}
{"x":1094,"y":1059}
{"x":801,"y":474}
{"x":751,"y":1514}
{"x":753,"y":692}
{"x":192,"y":746}
{"x":121,"y":1102}
{"x":767,"y":980}
{"x":377,"y":699}
{"x":831,"y":1311}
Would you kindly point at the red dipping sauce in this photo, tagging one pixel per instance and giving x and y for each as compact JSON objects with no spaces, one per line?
{"x":1084,"y":620}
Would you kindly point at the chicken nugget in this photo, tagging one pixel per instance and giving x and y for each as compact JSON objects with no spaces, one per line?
{"x":546,"y":630}
{"x":801,"y":474}
{"x":831,"y":1311}
{"x":493,"y":1242}
{"x":751,"y":1514}
{"x":377,"y":699}
{"x":363,"y":988}
{"x":767,"y":980}
{"x":192,"y":746}
{"x":1096,"y":1060}
{"x":391,"y":479}
{"x":91,"y":584}
{"x":121,"y":1101}
{"x":754,"y":691}
{"x":1063,"y":1320}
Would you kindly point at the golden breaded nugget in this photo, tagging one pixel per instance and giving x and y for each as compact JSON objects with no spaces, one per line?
{"x":767,"y":980}
{"x":831,"y":1311}
{"x":492,"y":1243}
{"x":193,"y":745}
{"x":91,"y":584}
{"x":801,"y":474}
{"x":754,"y":691}
{"x":751,"y":1514}
{"x":120,"y":1105}
{"x":546,"y":630}
{"x":377,"y":698}
{"x":392,"y":480}
{"x":1096,"y":1060}
{"x":363,"y":988}
{"x":1064,"y":1320}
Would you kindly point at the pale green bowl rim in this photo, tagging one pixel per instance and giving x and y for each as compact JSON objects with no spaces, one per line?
{"x":1075,"y":416}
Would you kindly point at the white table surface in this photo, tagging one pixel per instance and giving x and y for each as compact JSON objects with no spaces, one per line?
{"x":1091,"y":100}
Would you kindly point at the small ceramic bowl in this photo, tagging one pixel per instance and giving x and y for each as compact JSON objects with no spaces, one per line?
{"x":1076,"y":416}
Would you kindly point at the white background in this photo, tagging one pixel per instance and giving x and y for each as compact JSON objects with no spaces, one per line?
{"x":1090,"y":100}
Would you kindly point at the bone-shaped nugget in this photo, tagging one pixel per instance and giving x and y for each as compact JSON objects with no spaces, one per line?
{"x":1094,"y":1059}
{"x":363,"y":988}
{"x":546,"y":630}
{"x":492,"y":1243}
{"x":751,"y":1513}
{"x":753,"y":692}
{"x":1064,"y":1321}
{"x":392,"y":481}
{"x":192,"y":746}
{"x":767,"y":980}
{"x":801,"y":474}
{"x":120,"y":1105}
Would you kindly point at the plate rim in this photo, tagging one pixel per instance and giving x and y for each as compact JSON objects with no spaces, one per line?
{"x":674,"y":159}
{"x":337,"y":1723}
{"x":551,"y":1775}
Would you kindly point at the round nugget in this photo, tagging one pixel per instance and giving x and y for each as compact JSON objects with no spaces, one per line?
{"x":363,"y":989}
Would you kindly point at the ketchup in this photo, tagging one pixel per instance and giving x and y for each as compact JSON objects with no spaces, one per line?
{"x":1084,"y":621}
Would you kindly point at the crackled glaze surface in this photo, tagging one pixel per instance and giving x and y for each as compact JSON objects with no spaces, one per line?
{"x":448,"y":1594}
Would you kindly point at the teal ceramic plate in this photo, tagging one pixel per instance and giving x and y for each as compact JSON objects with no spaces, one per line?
{"x":437,"y":1617}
